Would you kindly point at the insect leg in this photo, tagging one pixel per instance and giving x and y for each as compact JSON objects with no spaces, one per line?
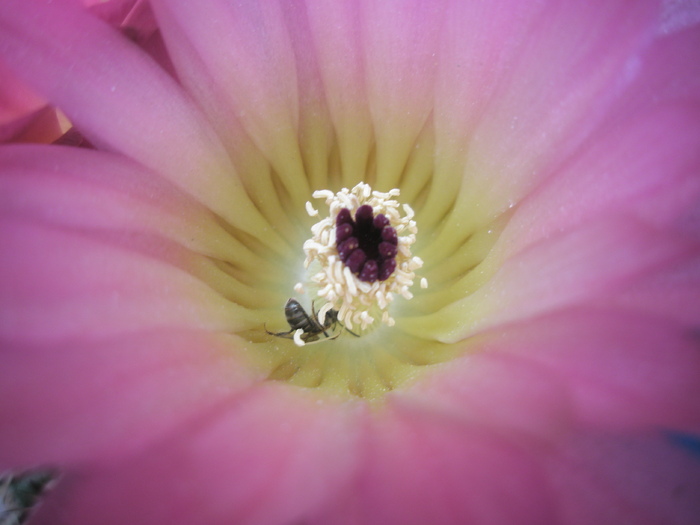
{"x":287,"y":335}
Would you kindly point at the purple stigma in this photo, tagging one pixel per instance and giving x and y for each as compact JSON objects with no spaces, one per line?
{"x":367,"y":245}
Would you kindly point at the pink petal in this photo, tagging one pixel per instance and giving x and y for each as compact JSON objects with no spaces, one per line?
{"x":595,"y":260}
{"x":316,"y":135}
{"x":422,"y":467}
{"x":271,"y":457}
{"x":506,"y":392}
{"x":115,"y":200}
{"x":484,"y":39}
{"x":640,"y":479}
{"x":399,"y":41}
{"x":667,"y":74}
{"x":255,"y":138}
{"x":672,"y":294}
{"x":117,"y":113}
{"x":257,"y":70}
{"x":337,"y":38}
{"x":622,"y":370}
{"x":16,"y":99}
{"x":625,"y":168}
{"x":531,"y":98}
{"x":643,"y":152}
{"x":135,"y":19}
{"x":18,"y":104}
{"x":114,"y":12}
{"x":677,"y":15}
{"x":132,"y":390}
{"x":64,"y":284}
{"x":84,"y":189}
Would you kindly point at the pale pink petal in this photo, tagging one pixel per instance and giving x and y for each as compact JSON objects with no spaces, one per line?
{"x":90,"y":75}
{"x":16,"y":98}
{"x":675,"y":207}
{"x":622,"y":370}
{"x":268,"y":457}
{"x":44,"y":126}
{"x":102,"y":399}
{"x":542,"y":377}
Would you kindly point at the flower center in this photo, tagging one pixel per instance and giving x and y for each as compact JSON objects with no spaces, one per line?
{"x":327,"y":321}
{"x":334,"y":324}
{"x":360,"y":265}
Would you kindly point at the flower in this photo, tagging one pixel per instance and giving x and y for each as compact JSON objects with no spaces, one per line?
{"x":548,"y":374}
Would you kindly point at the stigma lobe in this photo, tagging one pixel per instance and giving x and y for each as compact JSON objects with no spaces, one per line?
{"x":367,"y":245}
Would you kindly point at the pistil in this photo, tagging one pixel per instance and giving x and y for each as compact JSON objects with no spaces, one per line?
{"x":367,"y":245}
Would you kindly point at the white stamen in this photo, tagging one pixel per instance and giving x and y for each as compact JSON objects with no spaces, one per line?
{"x":310,"y":210}
{"x":337,"y":285}
{"x":381,"y":300}
{"x":350,"y":281}
{"x":323,"y":194}
{"x":322,"y":313}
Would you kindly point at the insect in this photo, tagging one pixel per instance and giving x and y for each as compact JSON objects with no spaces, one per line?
{"x":20,"y":493}
{"x":299,"y":319}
